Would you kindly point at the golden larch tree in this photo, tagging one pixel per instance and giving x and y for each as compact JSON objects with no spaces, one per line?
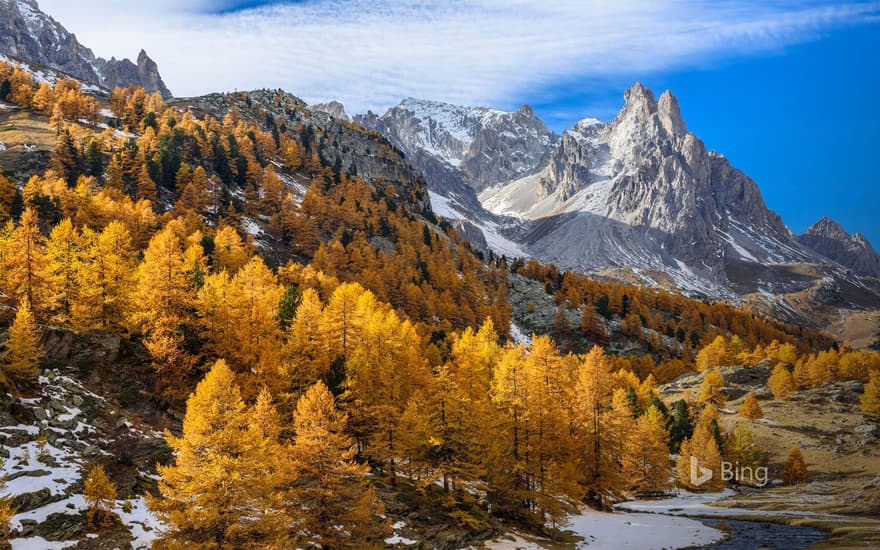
{"x":781,"y":382}
{"x":794,"y":470}
{"x":340,"y":508}
{"x":23,"y":352}
{"x":63,"y":255}
{"x":208,"y":494}
{"x":750,"y":408}
{"x":870,"y":400}
{"x":647,"y":466}
{"x":100,"y":495}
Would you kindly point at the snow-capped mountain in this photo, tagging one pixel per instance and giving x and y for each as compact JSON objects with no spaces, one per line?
{"x":830,"y":239}
{"x":30,"y":36}
{"x":639,"y":196}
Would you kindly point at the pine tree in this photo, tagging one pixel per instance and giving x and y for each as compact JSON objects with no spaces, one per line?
{"x":20,"y":364}
{"x":681,"y":427}
{"x":100,"y":495}
{"x":781,"y":382}
{"x":795,"y":469}
{"x":750,"y":408}
{"x":340,"y":509}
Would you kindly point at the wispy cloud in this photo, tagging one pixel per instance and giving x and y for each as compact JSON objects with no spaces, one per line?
{"x":371,"y":53}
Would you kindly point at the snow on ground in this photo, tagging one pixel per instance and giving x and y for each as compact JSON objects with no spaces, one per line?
{"x":501,"y":245}
{"x":640,"y":531}
{"x":39,"y":543}
{"x":624,"y":531}
{"x":145,"y":527}
{"x":70,"y":505}
{"x":442,"y":206}
{"x":693,"y":504}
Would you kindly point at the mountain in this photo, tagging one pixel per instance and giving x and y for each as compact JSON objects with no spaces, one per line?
{"x":29,"y":35}
{"x":638,"y":198}
{"x":332,"y":108}
{"x":830,"y":239}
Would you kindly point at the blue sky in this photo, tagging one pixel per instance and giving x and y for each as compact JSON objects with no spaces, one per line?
{"x":784,"y":89}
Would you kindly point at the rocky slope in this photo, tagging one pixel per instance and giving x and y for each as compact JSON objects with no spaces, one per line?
{"x":831,"y":240}
{"x":31,"y":36}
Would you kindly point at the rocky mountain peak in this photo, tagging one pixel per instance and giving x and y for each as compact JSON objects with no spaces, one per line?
{"x":670,"y":114}
{"x":334,"y":109}
{"x":31,"y":36}
{"x":639,"y":99}
{"x":830,"y":239}
{"x":826,"y":227}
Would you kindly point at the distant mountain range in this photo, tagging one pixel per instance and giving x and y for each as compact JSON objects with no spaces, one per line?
{"x":29,"y":35}
{"x":638,"y":198}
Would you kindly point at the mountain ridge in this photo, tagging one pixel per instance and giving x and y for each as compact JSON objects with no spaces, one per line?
{"x":31,"y":36}
{"x":639,"y":195}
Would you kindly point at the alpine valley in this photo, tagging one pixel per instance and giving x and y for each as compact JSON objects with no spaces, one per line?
{"x":238,"y":320}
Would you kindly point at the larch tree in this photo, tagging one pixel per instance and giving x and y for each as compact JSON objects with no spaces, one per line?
{"x":710,"y":388}
{"x":229,"y":253}
{"x":647,"y":466}
{"x":63,"y":255}
{"x":23,"y":352}
{"x":305,"y":359}
{"x":870,"y":399}
{"x":781,"y":382}
{"x":106,"y":279}
{"x":794,"y":470}
{"x":146,"y":187}
{"x":750,"y":408}
{"x":340,"y":508}
{"x":593,"y":391}
{"x":704,"y":451}
{"x":100,"y":495}
{"x":339,"y":326}
{"x":24,"y":264}
{"x":208,"y":494}
{"x":507,"y":454}
{"x":714,"y":355}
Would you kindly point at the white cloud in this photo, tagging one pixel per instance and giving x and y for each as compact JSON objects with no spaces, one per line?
{"x":371,"y":53}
